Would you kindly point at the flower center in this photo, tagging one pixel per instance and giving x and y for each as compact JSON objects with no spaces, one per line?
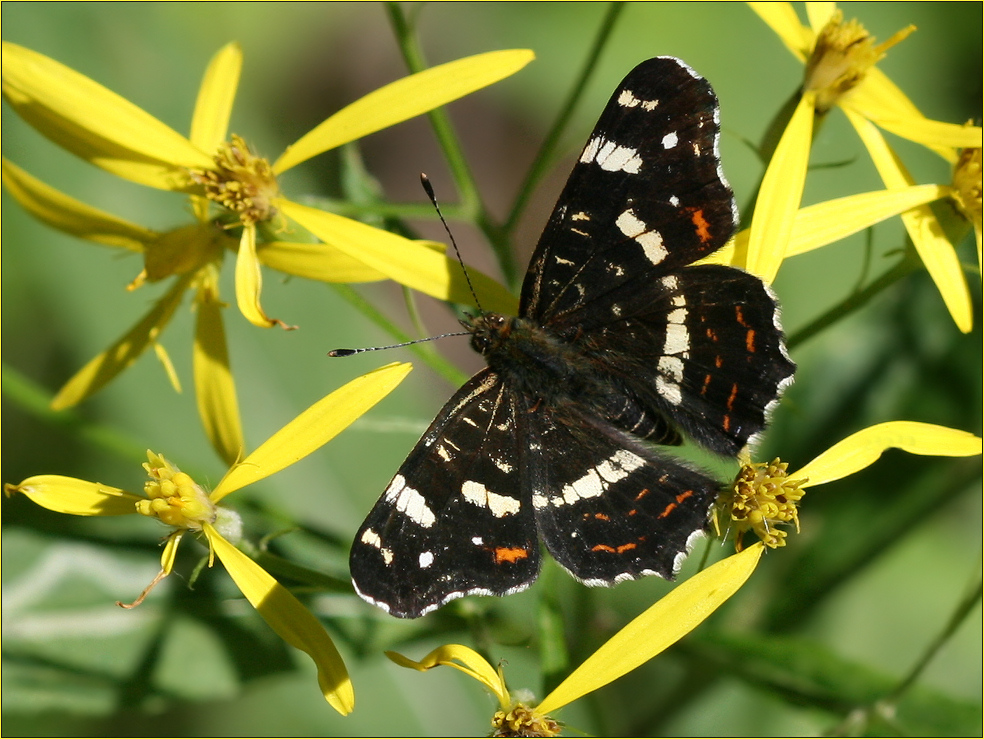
{"x":967,"y":185}
{"x":523,"y":721}
{"x":241,"y":181}
{"x":762,"y":498}
{"x":173,"y":497}
{"x":841,"y":57}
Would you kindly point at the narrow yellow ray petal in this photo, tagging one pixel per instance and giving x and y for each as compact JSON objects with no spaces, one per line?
{"x":249,"y":281}
{"x":171,"y":551}
{"x":313,"y":428}
{"x":76,"y":497}
{"x":928,"y":237}
{"x":124,"y":352}
{"x":165,"y":359}
{"x":832,"y":220}
{"x":404,"y":99}
{"x":316,"y":262}
{"x":215,"y":388}
{"x":461,"y":658}
{"x":818,"y":15}
{"x":782,"y":18}
{"x":86,"y":118}
{"x":780,"y":194}
{"x":291,"y":621}
{"x":213,"y":108}
{"x":70,"y":215}
{"x":407,"y":262}
{"x":935,"y":134}
{"x":672,"y":617}
{"x":863,"y":448}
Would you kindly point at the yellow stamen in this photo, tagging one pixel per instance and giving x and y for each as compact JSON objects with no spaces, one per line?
{"x":173,"y":497}
{"x":967,"y":185}
{"x":241,"y":181}
{"x":761,"y":499}
{"x":523,"y":721}
{"x":841,"y":57}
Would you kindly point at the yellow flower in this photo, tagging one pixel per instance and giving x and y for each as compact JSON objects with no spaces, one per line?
{"x":101,"y":127}
{"x":662,"y":625}
{"x":765,"y":496}
{"x":839,"y":59}
{"x":178,"y":501}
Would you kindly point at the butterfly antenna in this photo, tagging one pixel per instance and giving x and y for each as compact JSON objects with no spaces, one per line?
{"x":429,"y":189}
{"x":350,"y":352}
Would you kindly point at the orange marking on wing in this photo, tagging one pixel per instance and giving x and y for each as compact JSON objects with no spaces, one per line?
{"x":614,"y":550}
{"x":726,"y":423}
{"x":601,"y":517}
{"x":707,"y":382}
{"x":711,"y":334}
{"x":731,"y":398}
{"x":642,"y":494}
{"x":509,"y":554}
{"x":700,"y":224}
{"x":718,"y":362}
{"x":679,"y":499}
{"x":740,"y":316}
{"x":684,"y":495}
{"x":750,"y":341}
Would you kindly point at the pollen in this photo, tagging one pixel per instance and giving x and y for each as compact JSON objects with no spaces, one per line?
{"x":843,"y":53}
{"x":173,"y":497}
{"x":241,"y":182}
{"x":523,"y":721}
{"x":967,"y":185}
{"x":761,"y":499}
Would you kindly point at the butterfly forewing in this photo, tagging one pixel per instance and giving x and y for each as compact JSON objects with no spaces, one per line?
{"x":646,"y":195}
{"x":453,"y":521}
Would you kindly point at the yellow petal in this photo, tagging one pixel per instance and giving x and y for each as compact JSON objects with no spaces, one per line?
{"x":928,"y":237}
{"x":123,"y":352}
{"x":171,"y":551}
{"x":672,"y":617}
{"x":316,"y":262}
{"x":819,"y":14}
{"x":70,"y":215}
{"x":833,"y":220}
{"x":289,"y":619}
{"x":932,"y":133}
{"x":861,"y":449}
{"x":165,"y":359}
{"x":400,"y":259}
{"x":215,"y":388}
{"x":93,"y":122}
{"x":210,"y":121}
{"x":313,"y":428}
{"x":780,"y":194}
{"x":249,"y":281}
{"x":462,"y":658}
{"x":404,"y":99}
{"x":76,"y":497}
{"x":782,"y":19}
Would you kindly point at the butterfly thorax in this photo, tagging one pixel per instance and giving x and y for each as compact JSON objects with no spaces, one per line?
{"x":532,"y":360}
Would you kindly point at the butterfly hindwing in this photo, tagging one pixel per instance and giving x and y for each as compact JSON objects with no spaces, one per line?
{"x":646,"y":195}
{"x":453,"y":521}
{"x":700,"y":347}
{"x":615,"y":510}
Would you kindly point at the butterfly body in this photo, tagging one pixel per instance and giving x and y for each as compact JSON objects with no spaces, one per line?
{"x":621,"y":343}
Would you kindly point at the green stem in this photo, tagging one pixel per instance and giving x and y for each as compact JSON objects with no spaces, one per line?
{"x":471,"y":206}
{"x":963,"y":609}
{"x":424,"y":352}
{"x":545,"y":155}
{"x":36,"y":402}
{"x":852,"y":303}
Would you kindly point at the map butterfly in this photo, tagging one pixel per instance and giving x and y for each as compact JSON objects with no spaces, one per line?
{"x":621,"y":343}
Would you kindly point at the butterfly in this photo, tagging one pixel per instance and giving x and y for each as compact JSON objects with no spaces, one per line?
{"x":621,"y":344}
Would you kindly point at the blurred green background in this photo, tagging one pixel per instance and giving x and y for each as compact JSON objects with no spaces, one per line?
{"x":884,"y":556}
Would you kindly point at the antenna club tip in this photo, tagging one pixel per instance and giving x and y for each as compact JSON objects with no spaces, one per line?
{"x":341,"y":352}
